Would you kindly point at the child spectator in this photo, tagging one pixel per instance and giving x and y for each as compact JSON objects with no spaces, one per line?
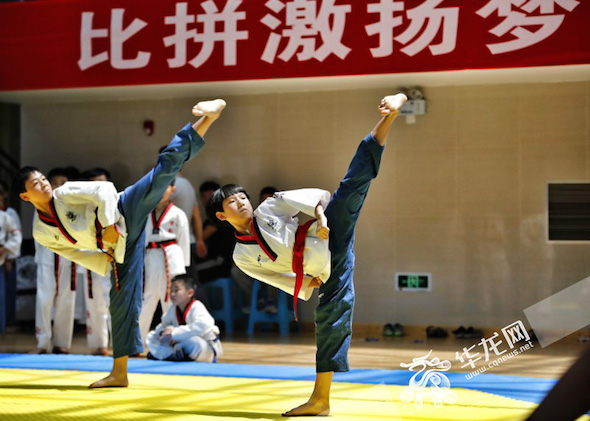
{"x":187,"y":331}
{"x":167,"y":255}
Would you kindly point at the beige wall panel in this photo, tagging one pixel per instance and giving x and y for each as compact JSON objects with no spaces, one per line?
{"x":487,"y":181}
{"x":425,"y":183}
{"x":487,"y":116}
{"x":553,"y":113}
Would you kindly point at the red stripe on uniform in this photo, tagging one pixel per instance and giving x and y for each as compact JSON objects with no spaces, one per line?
{"x":60,"y":225}
{"x":261,"y":241}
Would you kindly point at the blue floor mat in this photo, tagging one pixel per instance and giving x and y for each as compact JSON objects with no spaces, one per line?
{"x":521,"y":388}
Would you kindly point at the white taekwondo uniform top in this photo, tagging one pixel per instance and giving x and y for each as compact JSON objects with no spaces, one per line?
{"x":267,"y":255}
{"x":196,"y":321}
{"x":171,"y":231}
{"x":10,"y":236}
{"x":79,"y":212}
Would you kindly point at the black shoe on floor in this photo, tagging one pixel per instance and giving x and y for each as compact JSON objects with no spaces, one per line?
{"x":459,"y":332}
{"x":436,"y":332}
{"x":472,"y":333}
{"x":388,"y":330}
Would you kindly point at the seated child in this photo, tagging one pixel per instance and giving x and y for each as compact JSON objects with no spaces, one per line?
{"x":187,"y":331}
{"x":273,"y":248}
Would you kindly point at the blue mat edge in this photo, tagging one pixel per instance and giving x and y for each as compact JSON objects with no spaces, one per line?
{"x":527,"y":389}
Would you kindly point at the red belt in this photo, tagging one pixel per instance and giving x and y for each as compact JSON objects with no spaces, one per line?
{"x":298,"y":248}
{"x":162,"y":246}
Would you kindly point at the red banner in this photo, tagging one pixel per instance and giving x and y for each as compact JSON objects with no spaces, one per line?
{"x":81,"y":43}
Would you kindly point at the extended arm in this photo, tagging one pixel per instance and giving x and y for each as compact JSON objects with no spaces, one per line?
{"x":322,"y":222}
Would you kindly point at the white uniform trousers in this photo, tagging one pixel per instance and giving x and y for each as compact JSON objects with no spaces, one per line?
{"x":61,"y":299}
{"x":154,"y":290}
{"x":195,"y":348}
{"x":98,"y":319}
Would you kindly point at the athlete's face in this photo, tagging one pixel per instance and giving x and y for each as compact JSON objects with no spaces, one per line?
{"x":38,"y":189}
{"x":180,"y":295}
{"x":237,"y":209}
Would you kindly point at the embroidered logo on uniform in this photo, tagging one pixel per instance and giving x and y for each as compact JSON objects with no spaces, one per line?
{"x":56,"y":237}
{"x":170,"y":230}
{"x":71,"y":216}
{"x":259,"y":260}
{"x":272,"y":223}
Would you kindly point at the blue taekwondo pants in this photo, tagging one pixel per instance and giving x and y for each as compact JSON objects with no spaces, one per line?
{"x":136,"y":203}
{"x":333,"y":315}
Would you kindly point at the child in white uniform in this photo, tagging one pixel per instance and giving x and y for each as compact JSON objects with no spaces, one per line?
{"x":273,"y":248}
{"x":10,"y":241}
{"x":56,"y":291}
{"x":89,"y":223}
{"x":187,"y":331}
{"x":56,"y":298}
{"x":96,"y":292}
{"x":98,"y":320}
{"x":167,"y":255}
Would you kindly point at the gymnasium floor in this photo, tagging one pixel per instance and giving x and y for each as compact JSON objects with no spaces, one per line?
{"x":260,"y":377}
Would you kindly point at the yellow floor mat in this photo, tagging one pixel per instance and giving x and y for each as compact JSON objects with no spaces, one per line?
{"x":51,"y":395}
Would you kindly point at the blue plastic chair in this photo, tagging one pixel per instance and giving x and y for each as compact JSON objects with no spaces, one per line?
{"x":227,"y":313}
{"x":283,"y":316}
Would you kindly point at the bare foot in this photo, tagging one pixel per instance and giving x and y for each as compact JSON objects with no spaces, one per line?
{"x":209,"y":108}
{"x":110,"y":381}
{"x":318,"y":409}
{"x":392,"y":104}
{"x":38,"y":351}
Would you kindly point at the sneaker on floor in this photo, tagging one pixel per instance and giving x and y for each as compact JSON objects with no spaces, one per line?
{"x":436,"y":332}
{"x":398,"y":330}
{"x":459,"y":332}
{"x":388,"y":330}
{"x":472,"y":333}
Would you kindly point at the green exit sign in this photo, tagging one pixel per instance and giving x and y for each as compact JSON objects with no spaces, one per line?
{"x":413,"y":282}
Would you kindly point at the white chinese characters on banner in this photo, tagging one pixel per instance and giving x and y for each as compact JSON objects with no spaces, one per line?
{"x":447,"y":17}
{"x":526,"y":30}
{"x":118,"y":37}
{"x":304,"y":24}
{"x":426,"y":22}
{"x":228,"y":36}
{"x":303,"y":30}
